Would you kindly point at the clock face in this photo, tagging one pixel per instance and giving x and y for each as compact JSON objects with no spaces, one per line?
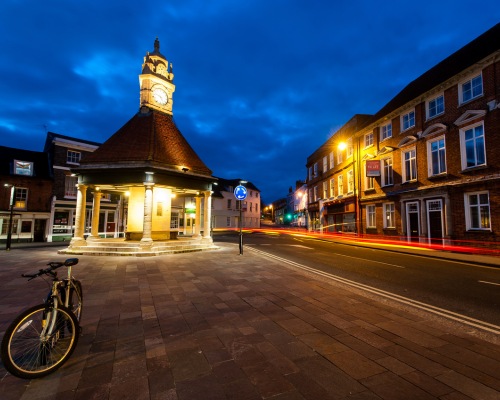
{"x":160,"y":96}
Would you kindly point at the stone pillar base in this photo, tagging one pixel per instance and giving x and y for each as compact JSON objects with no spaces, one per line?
{"x":146,"y":243}
{"x":77,"y":242}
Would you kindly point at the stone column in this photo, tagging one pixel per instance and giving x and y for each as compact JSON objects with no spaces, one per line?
{"x":81,"y":208}
{"x":197,"y":218}
{"x":148,"y":214}
{"x":207,"y":218}
{"x":96,"y":209}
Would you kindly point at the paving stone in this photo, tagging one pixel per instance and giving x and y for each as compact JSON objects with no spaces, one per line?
{"x":220,"y":326}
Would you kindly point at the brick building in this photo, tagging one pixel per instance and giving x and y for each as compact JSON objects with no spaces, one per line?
{"x":426,"y":166}
{"x":26,"y":185}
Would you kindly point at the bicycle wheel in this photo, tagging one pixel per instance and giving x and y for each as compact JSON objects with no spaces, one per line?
{"x":39,"y":341}
{"x":75,"y":303}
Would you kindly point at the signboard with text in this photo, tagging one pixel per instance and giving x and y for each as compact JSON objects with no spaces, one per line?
{"x":373,"y":168}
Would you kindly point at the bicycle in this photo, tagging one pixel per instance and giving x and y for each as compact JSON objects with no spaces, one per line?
{"x":43,"y":337}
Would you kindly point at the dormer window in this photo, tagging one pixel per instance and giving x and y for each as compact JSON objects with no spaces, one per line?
{"x":23,"y":168}
{"x":73,"y":157}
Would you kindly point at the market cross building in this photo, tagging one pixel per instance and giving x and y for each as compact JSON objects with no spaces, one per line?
{"x":149,"y":162}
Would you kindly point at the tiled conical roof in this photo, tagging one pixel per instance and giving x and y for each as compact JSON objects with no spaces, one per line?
{"x":149,"y":138}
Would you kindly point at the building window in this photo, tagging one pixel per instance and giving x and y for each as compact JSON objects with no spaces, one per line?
{"x":325,"y":163}
{"x":332,"y":187}
{"x":477,"y":207}
{"x":437,"y":156}
{"x":315,"y":193}
{"x":229,"y":204}
{"x":471,"y":89}
{"x":340,"y":157}
{"x":408,"y":120}
{"x":386,"y":131}
{"x":472,"y":146}
{"x":370,"y":216}
{"x":325,"y":189}
{"x":310,"y":173}
{"x":315,"y":169}
{"x":228,"y":222}
{"x":350,"y":181}
{"x":310,"y":196}
{"x":409,"y":165}
{"x":340,"y":185}
{"x":368,"y":139}
{"x":23,"y":168}
{"x":349,"y":148}
{"x":332,"y":162}
{"x":389,"y":215}
{"x":369,"y":180}
{"x":21,"y":198}
{"x":251,"y":204}
{"x":70,"y":190}
{"x":435,"y":107}
{"x":73,"y":157}
{"x":387,"y":172}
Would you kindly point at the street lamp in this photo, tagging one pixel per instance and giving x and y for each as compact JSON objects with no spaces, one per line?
{"x":11,"y":205}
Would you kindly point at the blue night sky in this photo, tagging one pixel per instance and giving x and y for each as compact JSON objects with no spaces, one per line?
{"x":260,"y":84}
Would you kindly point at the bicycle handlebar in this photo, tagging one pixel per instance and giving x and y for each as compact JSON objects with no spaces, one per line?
{"x":53,"y":266}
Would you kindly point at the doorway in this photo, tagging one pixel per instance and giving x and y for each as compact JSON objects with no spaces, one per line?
{"x":39,"y":232}
{"x":413,"y":221}
{"x":435,"y":218}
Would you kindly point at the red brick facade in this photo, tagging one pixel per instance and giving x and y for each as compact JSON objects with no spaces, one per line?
{"x":440,"y":177}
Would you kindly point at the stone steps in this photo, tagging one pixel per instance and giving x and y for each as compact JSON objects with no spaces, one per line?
{"x":120,"y":247}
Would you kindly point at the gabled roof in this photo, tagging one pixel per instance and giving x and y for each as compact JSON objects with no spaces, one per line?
{"x":475,"y":51}
{"x":150,"y":138}
{"x":51,"y":136}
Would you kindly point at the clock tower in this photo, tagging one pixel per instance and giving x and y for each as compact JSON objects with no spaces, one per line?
{"x":156,"y":81}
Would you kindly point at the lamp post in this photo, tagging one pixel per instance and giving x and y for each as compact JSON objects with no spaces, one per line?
{"x":11,"y":216}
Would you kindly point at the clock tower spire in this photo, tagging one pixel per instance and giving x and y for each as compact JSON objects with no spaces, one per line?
{"x":156,"y":81}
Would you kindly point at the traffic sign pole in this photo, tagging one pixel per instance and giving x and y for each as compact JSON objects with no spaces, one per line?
{"x":240,"y":192}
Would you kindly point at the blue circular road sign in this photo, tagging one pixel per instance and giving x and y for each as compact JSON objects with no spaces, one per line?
{"x":240,"y":192}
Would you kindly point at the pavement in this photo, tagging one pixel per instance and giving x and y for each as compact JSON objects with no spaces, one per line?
{"x":219,"y":325}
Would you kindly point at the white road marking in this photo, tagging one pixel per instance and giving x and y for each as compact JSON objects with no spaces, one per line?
{"x":464,"y":319}
{"x":490,"y":283}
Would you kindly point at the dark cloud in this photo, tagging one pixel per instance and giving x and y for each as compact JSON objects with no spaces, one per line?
{"x":259,"y":84}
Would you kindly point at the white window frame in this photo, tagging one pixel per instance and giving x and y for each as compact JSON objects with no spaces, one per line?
{"x":332,"y":187}
{"x":70,"y":190}
{"x":315,"y":170}
{"x":349,"y":148}
{"x":409,"y":166}
{"x":371,"y":216}
{"x":408,"y":120}
{"x":369,"y":181}
{"x":386,"y":131}
{"x":463,"y":145}
{"x":350,"y":181}
{"x":315,"y":190}
{"x":389,"y":215}
{"x":325,"y":164}
{"x":340,"y":185}
{"x":482,"y":209}
{"x":24,"y":168}
{"x":368,"y":140}
{"x":435,"y":106}
{"x":462,"y":91}
{"x":310,"y":173}
{"x":332,"y":160}
{"x":430,"y":156}
{"x":387,"y":172}
{"x":325,"y":189}
{"x":72,"y":155}
{"x":340,"y":157}
{"x":21,"y":198}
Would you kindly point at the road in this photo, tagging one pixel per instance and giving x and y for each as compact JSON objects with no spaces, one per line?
{"x":466,"y":289}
